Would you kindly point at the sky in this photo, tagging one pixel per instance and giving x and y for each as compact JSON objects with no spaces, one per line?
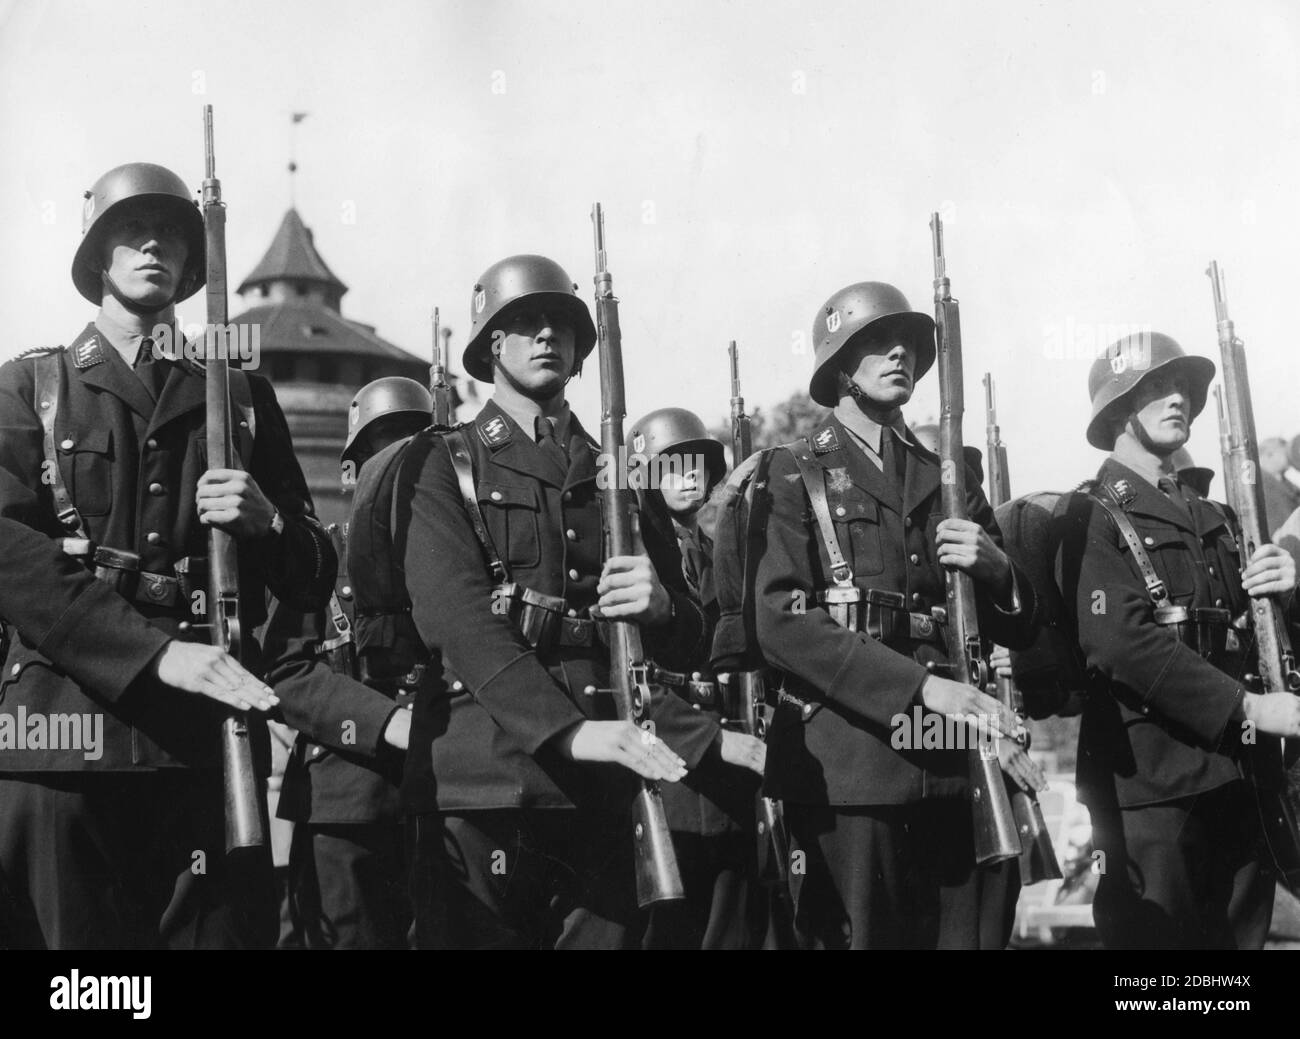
{"x":1089,"y":159}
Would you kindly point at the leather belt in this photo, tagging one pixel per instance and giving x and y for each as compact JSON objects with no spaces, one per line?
{"x":121,"y":569}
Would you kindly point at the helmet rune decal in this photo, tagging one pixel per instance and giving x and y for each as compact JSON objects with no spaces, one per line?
{"x":833,"y":321}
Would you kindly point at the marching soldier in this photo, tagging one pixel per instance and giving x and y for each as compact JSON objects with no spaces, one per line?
{"x":880,"y":822}
{"x":1152,"y":578}
{"x":711,"y":811}
{"x":517,"y":800}
{"x":111,"y":832}
{"x":343,"y":676}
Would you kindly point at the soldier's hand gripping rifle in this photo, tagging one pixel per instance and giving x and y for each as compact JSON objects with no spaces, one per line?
{"x":1037,"y":856}
{"x":1276,"y":664}
{"x":657,"y":876}
{"x":742,"y":445}
{"x":995,"y":827}
{"x":245,"y":807}
{"x":439,"y":387}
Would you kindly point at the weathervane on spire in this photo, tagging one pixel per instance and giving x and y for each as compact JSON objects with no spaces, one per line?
{"x":296,"y":118}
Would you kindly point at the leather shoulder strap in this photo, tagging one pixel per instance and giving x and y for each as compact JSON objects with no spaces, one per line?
{"x":814,"y":482}
{"x":48,"y":390}
{"x":1109,"y":500}
{"x":461,"y":462}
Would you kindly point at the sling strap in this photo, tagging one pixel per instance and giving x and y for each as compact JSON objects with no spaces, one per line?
{"x":1112,"y":501}
{"x":460,"y":461}
{"x":49,"y":388}
{"x":814,"y":482}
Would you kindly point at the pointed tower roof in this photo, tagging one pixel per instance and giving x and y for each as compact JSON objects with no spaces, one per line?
{"x":293,"y":257}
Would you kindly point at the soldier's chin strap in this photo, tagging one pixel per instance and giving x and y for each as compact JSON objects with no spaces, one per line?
{"x":130,"y":304}
{"x":1139,"y":434}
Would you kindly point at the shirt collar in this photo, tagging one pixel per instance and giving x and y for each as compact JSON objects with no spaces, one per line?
{"x":866,"y":429}
{"x":526,"y":419}
{"x":1145,"y":464}
{"x":125,"y":341}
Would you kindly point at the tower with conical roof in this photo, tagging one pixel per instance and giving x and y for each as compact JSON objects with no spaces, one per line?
{"x":316,"y":358}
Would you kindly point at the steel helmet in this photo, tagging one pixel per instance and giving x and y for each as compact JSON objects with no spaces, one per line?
{"x":394,"y":395}
{"x":508,"y":286}
{"x":139,"y":183}
{"x":1189,"y":472}
{"x":676,"y":431}
{"x":867,"y":305}
{"x":1126,"y":362}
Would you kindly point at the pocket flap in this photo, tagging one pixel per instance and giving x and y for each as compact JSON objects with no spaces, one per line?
{"x":508,"y":494}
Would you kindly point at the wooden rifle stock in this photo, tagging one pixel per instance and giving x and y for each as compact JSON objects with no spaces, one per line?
{"x":657,"y":876}
{"x":1037,"y":855}
{"x":245,"y":810}
{"x":995,"y":828}
{"x":1276,"y":659}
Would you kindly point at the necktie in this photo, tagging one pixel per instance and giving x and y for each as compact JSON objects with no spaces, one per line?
{"x":149,"y":372}
{"x":550,"y":445}
{"x":1174,"y":492}
{"x":893,"y":457}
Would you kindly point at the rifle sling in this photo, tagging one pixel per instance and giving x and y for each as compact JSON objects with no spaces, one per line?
{"x":48,"y":389}
{"x":814,"y":482}
{"x":460,"y":461}
{"x":1110,"y":501}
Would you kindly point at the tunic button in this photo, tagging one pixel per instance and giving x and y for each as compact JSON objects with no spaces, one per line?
{"x":573,"y":575}
{"x":66,"y":444}
{"x":151,"y":444}
{"x":1211,"y":571}
{"x":346,"y":591}
{"x":457,"y":686}
{"x":696,"y":706}
{"x":916,"y":597}
{"x":153,"y":537}
{"x":840,"y":510}
{"x":567,"y":496}
{"x":1148,"y":541}
{"x":807,"y":711}
{"x":496,"y":496}
{"x":156,"y":489}
{"x":914,"y":558}
{"x":16,"y":668}
{"x":907,"y":521}
{"x":572,"y":612}
{"x":1218,"y":602}
{"x":317,"y":751}
{"x":571,"y":534}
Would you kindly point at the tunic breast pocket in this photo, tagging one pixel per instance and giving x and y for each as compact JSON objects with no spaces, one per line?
{"x":857,"y":522}
{"x":1171,"y":556}
{"x":511,"y":513}
{"x":88,"y":463}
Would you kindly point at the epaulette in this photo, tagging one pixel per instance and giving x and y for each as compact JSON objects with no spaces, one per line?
{"x":40,"y":351}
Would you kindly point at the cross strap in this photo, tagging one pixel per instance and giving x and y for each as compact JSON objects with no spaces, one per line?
{"x":814,"y":482}
{"x":49,"y":388}
{"x":460,"y":461}
{"x":1109,"y":499}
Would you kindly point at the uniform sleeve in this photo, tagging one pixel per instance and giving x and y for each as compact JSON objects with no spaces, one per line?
{"x":854,"y":671}
{"x":327,"y":707}
{"x":300,"y":564}
{"x":452,"y":598}
{"x":1120,"y":638}
{"x":53,"y":601}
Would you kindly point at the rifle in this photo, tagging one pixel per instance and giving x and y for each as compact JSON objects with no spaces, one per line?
{"x":1037,"y":856}
{"x":439,"y":388}
{"x":741,"y":443}
{"x":995,"y":827}
{"x":1276,"y":664}
{"x":657,"y":876}
{"x":245,"y":825}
